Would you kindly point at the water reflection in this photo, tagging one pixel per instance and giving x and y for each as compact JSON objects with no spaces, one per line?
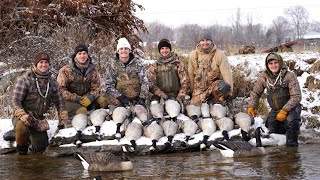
{"x":279,"y":163}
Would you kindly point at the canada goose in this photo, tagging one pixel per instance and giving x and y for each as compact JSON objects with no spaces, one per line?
{"x":119,"y":114}
{"x":241,"y":148}
{"x":140,"y":112}
{"x":133,"y":132}
{"x":157,"y":109}
{"x":225,"y":124}
{"x":79,"y":122}
{"x":218,"y":111}
{"x":173,"y":108}
{"x":208,"y":127}
{"x":193,"y":111}
{"x":153,"y":131}
{"x":205,"y":110}
{"x":97,"y":117}
{"x":244,"y":121}
{"x":104,"y":161}
{"x":170,"y":128}
{"x":189,"y":128}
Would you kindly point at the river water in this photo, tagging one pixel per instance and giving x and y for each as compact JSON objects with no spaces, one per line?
{"x":279,"y":163}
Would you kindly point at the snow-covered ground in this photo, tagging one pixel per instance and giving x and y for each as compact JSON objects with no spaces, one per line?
{"x":251,"y":65}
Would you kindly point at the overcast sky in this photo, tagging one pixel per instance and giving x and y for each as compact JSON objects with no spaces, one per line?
{"x":207,"y":12}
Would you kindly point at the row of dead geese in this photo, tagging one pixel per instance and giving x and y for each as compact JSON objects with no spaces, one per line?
{"x":166,"y":121}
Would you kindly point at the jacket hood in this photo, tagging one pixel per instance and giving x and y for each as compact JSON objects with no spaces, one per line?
{"x":282,"y":65}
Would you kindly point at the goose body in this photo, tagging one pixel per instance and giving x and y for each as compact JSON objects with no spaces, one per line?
{"x":193,"y":111}
{"x":119,"y":115}
{"x":244,"y":122}
{"x":225,"y":124}
{"x":189,"y":128}
{"x":170,"y":128}
{"x":104,"y":161}
{"x":79,"y":122}
{"x":205,"y":110}
{"x":140,"y":112}
{"x":172,"y":107}
{"x":153,"y":131}
{"x":208,"y":127}
{"x":97,"y":117}
{"x":241,"y":148}
{"x":134,"y":131}
{"x":218,"y":111}
{"x":157,"y":109}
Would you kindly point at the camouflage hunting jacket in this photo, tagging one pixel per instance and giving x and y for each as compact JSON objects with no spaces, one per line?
{"x":284,"y":94}
{"x":164,"y":66}
{"x":74,"y":84}
{"x":26,"y":97}
{"x":111,"y":76}
{"x":205,"y":67}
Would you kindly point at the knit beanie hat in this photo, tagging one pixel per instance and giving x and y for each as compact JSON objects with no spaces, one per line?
{"x":164,"y":43}
{"x":123,"y":43}
{"x":41,"y":56}
{"x":205,"y":35}
{"x":80,"y":48}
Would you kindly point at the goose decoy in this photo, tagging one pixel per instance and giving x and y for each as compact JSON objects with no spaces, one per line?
{"x":119,"y":115}
{"x":189,"y":128}
{"x":193,"y":111}
{"x":241,"y":148}
{"x":140,"y":112}
{"x":133,"y":132}
{"x":208,"y":127}
{"x":153,"y":131}
{"x":79,"y":122}
{"x":225,"y":124}
{"x":244,"y":121}
{"x":97,"y":117}
{"x":104,"y":161}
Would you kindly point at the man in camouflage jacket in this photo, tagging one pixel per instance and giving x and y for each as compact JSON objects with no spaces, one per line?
{"x":168,"y":76}
{"x":283,"y":95}
{"x":79,"y":82}
{"x":125,"y":77}
{"x":209,"y":72}
{"x":32,"y":96}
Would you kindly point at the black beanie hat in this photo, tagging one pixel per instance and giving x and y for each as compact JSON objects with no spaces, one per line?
{"x":41,"y":56}
{"x":79,"y":48}
{"x":164,"y":43}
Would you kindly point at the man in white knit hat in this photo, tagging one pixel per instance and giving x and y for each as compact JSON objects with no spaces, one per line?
{"x":125,"y":78}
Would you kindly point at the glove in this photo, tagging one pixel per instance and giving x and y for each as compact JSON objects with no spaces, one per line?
{"x":251,"y":112}
{"x":124,"y":100}
{"x":63,"y":117}
{"x":25,"y":119}
{"x":142,"y":101}
{"x":163,"y":96}
{"x":41,"y":125}
{"x":282,"y":115}
{"x":85,"y":101}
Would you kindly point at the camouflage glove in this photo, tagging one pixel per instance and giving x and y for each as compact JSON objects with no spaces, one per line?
{"x":125,"y":101}
{"x":26,"y":119}
{"x":251,"y":112}
{"x":63,"y":118}
{"x":282,"y":115}
{"x":163,"y":96}
{"x":86,"y":100}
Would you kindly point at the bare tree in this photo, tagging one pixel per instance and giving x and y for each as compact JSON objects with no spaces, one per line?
{"x":156,"y":31}
{"x":315,"y":26}
{"x":188,"y":34}
{"x":237,"y":27}
{"x":299,"y":17}
{"x":280,"y":29}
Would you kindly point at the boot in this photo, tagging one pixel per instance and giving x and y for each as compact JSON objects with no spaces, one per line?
{"x":292,"y":134}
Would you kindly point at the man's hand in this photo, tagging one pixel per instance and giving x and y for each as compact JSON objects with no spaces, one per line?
{"x":25,"y":119}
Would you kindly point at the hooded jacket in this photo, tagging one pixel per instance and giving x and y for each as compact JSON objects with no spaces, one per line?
{"x":283,"y":90}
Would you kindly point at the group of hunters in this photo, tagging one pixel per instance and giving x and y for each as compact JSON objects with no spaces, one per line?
{"x":207,"y":77}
